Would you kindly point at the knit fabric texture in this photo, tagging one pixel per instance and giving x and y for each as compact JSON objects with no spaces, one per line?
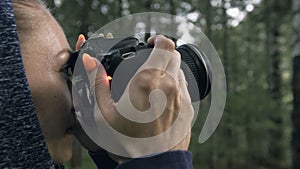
{"x":22,"y":143}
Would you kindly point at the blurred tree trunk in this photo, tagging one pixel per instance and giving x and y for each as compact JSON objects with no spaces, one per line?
{"x":85,"y":19}
{"x":173,"y":13}
{"x":296,"y":86}
{"x":228,"y":128}
{"x":213,"y":155}
{"x":208,"y":20}
{"x":225,"y":44}
{"x":148,"y":22}
{"x":267,"y":21}
{"x":273,"y":34}
{"x":84,"y":29}
{"x":120,"y":8}
{"x":251,"y":153}
{"x":273,"y":25}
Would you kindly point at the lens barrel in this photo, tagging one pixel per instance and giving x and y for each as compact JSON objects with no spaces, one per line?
{"x":198,"y":69}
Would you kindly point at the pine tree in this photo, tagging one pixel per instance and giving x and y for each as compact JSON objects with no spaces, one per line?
{"x":296,"y":85}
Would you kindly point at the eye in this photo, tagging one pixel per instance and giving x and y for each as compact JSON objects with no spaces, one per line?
{"x":69,"y":65}
{"x":68,"y":73}
{"x":67,"y":70}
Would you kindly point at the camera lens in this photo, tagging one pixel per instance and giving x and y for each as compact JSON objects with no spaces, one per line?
{"x":111,"y":52}
{"x":196,"y":67}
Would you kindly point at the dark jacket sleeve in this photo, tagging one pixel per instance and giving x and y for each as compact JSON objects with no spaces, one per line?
{"x":102,"y":160}
{"x":167,"y":160}
{"x":22,"y":143}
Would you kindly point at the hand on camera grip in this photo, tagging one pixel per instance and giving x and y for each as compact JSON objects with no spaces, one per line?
{"x":166,"y":76}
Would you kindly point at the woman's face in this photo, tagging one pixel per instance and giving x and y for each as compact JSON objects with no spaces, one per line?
{"x":44,"y":56}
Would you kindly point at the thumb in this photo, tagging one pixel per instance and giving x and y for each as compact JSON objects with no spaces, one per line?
{"x":98,"y":79}
{"x":89,"y":63}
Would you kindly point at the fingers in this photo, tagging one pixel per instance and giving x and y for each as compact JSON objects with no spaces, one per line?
{"x":183,"y":87}
{"x":174,"y":65}
{"x":98,"y":77}
{"x":98,"y":80}
{"x":91,"y":66}
{"x":164,"y":56}
{"x":80,"y":41}
{"x":101,"y":35}
{"x":108,"y":35}
{"x":161,"y":42}
{"x":88,"y":62}
{"x":161,"y":54}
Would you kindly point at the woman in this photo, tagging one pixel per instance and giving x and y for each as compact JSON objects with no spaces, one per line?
{"x":45,"y":52}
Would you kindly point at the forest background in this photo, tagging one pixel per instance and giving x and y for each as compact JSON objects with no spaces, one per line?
{"x":258,"y":42}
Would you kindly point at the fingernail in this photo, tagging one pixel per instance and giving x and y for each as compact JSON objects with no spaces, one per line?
{"x":81,"y":37}
{"x":89,"y":62}
{"x":109,"y":35}
{"x":101,"y":35}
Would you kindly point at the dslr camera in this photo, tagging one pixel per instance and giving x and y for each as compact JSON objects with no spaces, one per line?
{"x":121,"y":57}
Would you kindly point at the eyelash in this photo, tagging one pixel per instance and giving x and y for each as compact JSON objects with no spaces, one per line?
{"x":67,"y":70}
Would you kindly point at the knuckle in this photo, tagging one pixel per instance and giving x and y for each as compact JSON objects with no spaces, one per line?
{"x":147,"y":79}
{"x":170,"y":86}
{"x":151,"y":79}
{"x":165,"y":43}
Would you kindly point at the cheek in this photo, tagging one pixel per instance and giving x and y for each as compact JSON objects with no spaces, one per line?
{"x":53,"y":104}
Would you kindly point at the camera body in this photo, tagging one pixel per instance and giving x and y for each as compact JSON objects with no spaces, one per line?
{"x":121,"y":58}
